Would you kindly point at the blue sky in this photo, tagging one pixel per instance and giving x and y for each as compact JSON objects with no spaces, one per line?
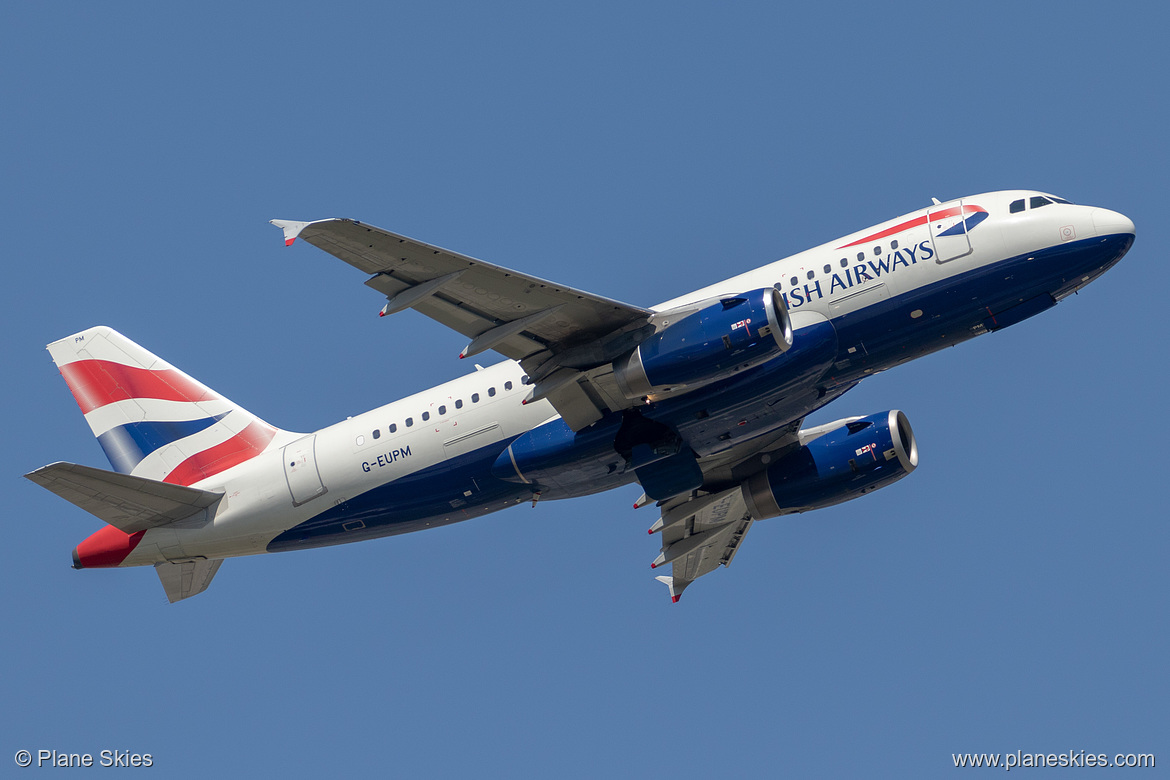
{"x":1010,"y":595}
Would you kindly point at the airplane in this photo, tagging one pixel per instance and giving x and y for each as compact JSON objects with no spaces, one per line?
{"x":701,"y":399}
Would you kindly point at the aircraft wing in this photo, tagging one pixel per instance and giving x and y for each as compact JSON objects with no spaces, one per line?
{"x":555,"y":331}
{"x":130,"y":504}
{"x":699,"y":535}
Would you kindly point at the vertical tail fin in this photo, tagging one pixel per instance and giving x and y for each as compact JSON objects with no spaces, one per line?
{"x":151,"y":419}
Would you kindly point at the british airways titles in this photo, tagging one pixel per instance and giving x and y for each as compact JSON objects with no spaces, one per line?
{"x":859,"y":274}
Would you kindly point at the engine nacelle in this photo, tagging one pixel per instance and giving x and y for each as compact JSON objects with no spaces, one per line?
{"x":857,"y":458}
{"x":561,"y":461}
{"x":713,"y":343}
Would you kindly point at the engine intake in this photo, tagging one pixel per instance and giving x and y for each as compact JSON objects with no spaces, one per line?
{"x":857,"y":458}
{"x":730,"y":335}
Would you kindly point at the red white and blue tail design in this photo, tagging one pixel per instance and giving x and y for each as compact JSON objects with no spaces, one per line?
{"x":151,"y":419}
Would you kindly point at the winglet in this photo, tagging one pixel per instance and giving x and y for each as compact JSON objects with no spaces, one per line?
{"x":675,"y":593}
{"x":291,"y":229}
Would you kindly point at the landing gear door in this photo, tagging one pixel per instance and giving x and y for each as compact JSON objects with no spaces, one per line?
{"x":300,"y":470}
{"x":948,"y":232}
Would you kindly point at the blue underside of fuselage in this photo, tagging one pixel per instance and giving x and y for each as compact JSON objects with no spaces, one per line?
{"x":882,"y":335}
{"x":885,"y":334}
{"x":456,"y":489}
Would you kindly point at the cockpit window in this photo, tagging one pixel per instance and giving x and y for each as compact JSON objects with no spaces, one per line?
{"x":1038,"y":201}
{"x":1062,"y":200}
{"x":1017,"y":206}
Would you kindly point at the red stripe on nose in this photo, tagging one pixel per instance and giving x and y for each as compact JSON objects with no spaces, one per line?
{"x":106,"y":548}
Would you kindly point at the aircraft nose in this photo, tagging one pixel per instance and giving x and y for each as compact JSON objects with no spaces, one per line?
{"x":1110,"y":223}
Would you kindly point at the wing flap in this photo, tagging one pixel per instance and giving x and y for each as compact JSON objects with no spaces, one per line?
{"x":700,"y":535}
{"x":130,"y":504}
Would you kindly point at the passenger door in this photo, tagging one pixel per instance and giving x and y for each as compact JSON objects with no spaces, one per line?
{"x":948,"y":232}
{"x":300,"y":470}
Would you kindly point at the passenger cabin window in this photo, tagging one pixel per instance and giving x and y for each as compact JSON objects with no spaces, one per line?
{"x":844,"y":262}
{"x":792,"y":281}
{"x":828,"y":269}
{"x":377,"y":434}
{"x":426,"y":416}
{"x":491,"y":391}
{"x":442,"y":410}
{"x":507,"y":385}
{"x":877,"y":251}
{"x":459,"y":403}
{"x":811,"y":274}
{"x":475,"y":398}
{"x":409,"y":421}
{"x":861,"y":257}
{"x":1038,"y":201}
{"x":393,"y":427}
{"x":894,"y":244}
{"x":1017,"y":206}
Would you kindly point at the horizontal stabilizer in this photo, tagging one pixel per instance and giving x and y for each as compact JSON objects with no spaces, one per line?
{"x":187,"y":579}
{"x":130,"y":504}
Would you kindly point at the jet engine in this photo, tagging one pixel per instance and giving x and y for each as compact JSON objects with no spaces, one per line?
{"x":710,"y":344}
{"x":858,"y":458}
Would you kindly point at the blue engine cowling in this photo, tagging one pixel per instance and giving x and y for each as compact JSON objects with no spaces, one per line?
{"x":857,"y":458}
{"x":713,"y":343}
{"x":561,"y":462}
